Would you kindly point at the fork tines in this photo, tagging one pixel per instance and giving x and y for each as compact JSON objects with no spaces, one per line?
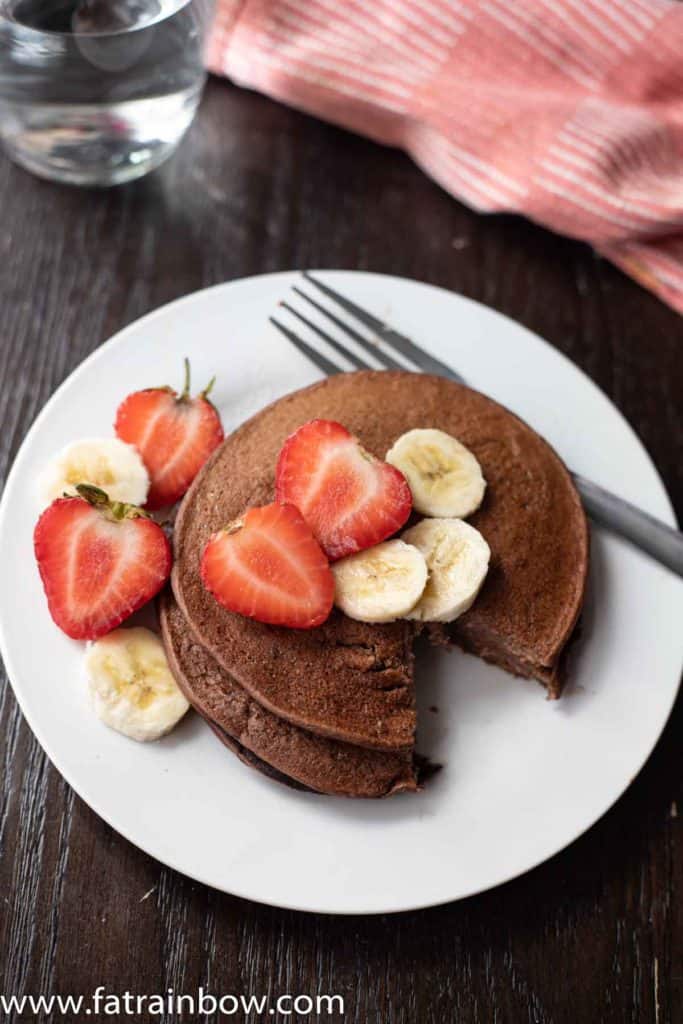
{"x":374,"y":344}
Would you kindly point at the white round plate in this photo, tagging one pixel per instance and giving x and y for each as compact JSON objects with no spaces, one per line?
{"x":522,"y":777}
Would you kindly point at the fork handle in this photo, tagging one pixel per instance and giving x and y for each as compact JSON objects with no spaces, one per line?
{"x":660,"y":541}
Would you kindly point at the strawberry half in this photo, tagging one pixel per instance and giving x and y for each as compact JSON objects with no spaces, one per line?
{"x":269,"y":566}
{"x":99,"y":561}
{"x":350,"y":499}
{"x":175,"y":435}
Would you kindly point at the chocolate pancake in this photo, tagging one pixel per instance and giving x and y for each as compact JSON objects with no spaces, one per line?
{"x":354,"y":681}
{"x":252,"y":761}
{"x":276,"y":748}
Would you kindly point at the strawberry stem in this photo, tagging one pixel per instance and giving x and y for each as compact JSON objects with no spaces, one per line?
{"x":186,"y":389}
{"x":93,"y":495}
{"x":114,"y":510}
{"x":185,"y":394}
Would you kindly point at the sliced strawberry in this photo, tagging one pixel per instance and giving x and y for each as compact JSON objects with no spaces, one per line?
{"x":99,"y":561}
{"x":175,"y":435}
{"x":350,"y":499}
{"x":269,"y":566}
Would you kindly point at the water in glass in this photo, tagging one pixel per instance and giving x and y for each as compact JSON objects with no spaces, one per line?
{"x":98,"y":91}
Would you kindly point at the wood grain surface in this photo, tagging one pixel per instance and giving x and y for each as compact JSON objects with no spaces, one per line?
{"x":595,"y":934}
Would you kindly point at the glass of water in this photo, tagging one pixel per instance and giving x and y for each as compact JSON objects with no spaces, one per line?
{"x":98,"y":92}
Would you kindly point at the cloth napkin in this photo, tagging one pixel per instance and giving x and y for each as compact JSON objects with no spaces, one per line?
{"x":567,"y":111}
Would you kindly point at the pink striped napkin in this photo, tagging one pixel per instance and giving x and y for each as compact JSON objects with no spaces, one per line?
{"x":567,"y":111}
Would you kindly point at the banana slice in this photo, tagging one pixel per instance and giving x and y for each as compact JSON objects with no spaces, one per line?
{"x":457,"y":557}
{"x":131,"y":686}
{"x":105,"y":462}
{"x":443,"y":475}
{"x":381,"y":583}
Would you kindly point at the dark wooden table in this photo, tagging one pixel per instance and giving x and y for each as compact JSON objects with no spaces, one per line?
{"x":596,"y":934}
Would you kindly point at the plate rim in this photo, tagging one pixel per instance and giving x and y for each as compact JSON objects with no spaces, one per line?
{"x":169,"y":861}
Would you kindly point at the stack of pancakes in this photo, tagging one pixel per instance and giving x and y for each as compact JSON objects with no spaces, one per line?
{"x":332,"y":709}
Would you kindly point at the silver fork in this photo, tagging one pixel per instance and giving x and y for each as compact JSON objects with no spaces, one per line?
{"x":649,"y":534}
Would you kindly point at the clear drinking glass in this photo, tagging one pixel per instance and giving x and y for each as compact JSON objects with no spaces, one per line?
{"x":98,"y":92}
